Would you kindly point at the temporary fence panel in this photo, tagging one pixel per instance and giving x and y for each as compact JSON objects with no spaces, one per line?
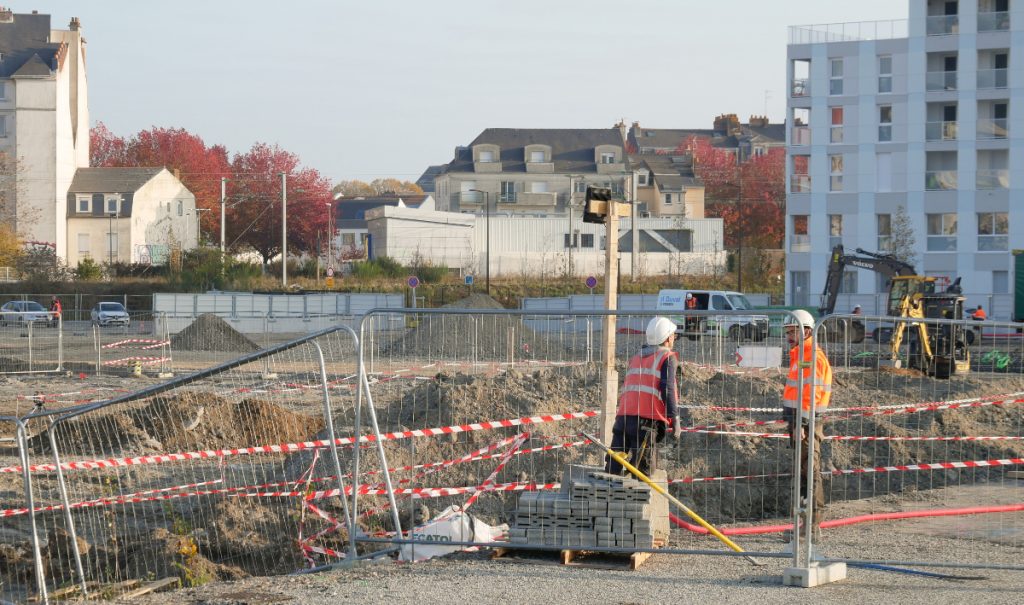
{"x":926,"y":425}
{"x":248,"y":304}
{"x":477,"y":407}
{"x":207,"y":476}
{"x":30,"y":342}
{"x":134,"y":344}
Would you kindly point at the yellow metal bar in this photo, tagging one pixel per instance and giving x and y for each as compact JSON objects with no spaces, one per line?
{"x":664,"y":492}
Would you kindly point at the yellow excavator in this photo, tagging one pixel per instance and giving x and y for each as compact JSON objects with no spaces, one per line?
{"x":937,"y":350}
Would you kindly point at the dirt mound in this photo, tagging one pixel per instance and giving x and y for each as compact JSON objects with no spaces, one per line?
{"x":211,"y":333}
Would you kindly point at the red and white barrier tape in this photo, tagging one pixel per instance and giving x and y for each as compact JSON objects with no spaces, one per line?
{"x":152,"y":344}
{"x":141,"y":359}
{"x":305,"y":445}
{"x":501,"y":464}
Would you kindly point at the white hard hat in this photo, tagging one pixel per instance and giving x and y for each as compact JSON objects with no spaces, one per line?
{"x":800,"y":318}
{"x":856,"y":307}
{"x":689,"y":295}
{"x":659,"y":329}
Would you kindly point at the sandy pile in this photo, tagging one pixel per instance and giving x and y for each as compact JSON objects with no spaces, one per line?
{"x":211,"y":333}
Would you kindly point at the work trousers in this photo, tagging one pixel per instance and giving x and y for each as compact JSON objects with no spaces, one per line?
{"x":637,"y":438}
{"x":798,"y":434}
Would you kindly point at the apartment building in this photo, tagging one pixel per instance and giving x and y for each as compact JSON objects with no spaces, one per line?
{"x":923,"y":115}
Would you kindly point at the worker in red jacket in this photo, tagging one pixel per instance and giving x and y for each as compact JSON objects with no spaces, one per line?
{"x":647,"y":405}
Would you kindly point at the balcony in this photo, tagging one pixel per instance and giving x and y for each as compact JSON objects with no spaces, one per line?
{"x":469,"y":198}
{"x":848,"y":32}
{"x":546,"y":199}
{"x":801,"y":135}
{"x":992,"y":178}
{"x":487,"y":166}
{"x":800,"y":87}
{"x":992,"y":128}
{"x":940,"y":180}
{"x":943,"y":25}
{"x":540,"y":167}
{"x":992,"y":78}
{"x":993,"y":21}
{"x":800,"y":183}
{"x":940,"y":80}
{"x":507,"y":198}
{"x":799,"y":242}
{"x":940,"y":131}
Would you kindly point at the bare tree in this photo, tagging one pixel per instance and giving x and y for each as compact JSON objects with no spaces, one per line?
{"x":902,"y":236}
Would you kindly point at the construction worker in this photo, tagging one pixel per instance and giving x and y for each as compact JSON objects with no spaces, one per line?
{"x":979,"y":314}
{"x":55,"y":310}
{"x":856,"y":310}
{"x":692,"y":324}
{"x":815,"y":380}
{"x":647,"y":405}
{"x":691,"y":302}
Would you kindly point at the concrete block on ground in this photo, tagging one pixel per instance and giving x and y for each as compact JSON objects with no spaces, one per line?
{"x":814,"y":575}
{"x":659,"y":507}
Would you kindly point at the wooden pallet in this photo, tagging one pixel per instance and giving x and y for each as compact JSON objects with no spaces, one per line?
{"x":123,"y":590}
{"x":587,"y":559}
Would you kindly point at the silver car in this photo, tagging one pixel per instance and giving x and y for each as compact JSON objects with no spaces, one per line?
{"x":109,"y":314}
{"x":23,"y":312}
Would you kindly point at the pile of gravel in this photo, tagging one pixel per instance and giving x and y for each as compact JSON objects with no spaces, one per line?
{"x":211,"y":333}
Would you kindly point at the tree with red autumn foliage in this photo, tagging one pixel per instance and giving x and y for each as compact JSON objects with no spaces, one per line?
{"x":255,"y":191}
{"x":749,"y":198}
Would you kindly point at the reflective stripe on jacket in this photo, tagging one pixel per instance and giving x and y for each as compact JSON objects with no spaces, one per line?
{"x":641,"y":390}
{"x":822,"y":376}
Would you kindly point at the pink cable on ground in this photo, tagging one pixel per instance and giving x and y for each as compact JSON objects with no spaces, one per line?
{"x":774,"y":529}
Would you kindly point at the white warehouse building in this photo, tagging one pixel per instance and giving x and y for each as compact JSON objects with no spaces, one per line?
{"x":550,"y":245}
{"x":924,"y":115}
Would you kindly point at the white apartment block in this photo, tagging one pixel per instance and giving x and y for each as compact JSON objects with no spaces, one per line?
{"x":927,"y":114}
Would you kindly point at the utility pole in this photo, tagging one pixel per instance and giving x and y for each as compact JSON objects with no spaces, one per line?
{"x":739,"y":225}
{"x":284,"y":230}
{"x":634,"y":228}
{"x":223,"y":198}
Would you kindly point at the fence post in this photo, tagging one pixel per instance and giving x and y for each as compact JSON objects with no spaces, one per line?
{"x":66,"y":501}
{"x":30,"y":503}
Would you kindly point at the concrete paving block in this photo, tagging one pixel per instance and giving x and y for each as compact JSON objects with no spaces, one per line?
{"x":643,"y":541}
{"x":622,"y":525}
{"x":597,"y":508}
{"x":814,"y":575}
{"x":616,"y":509}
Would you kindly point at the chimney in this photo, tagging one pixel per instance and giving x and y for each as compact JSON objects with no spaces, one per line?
{"x":6,"y":15}
{"x":177,"y":174}
{"x":75,"y":24}
{"x":727,"y":124}
{"x":758,"y":121}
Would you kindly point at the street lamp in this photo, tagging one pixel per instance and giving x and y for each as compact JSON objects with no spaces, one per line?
{"x":487,"y":211}
{"x":284,"y":230}
{"x":330,"y":230}
{"x":199,"y":227}
{"x":223,"y":200}
{"x":568,"y":208}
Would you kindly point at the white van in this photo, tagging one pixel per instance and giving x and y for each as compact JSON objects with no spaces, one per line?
{"x":736,"y":327}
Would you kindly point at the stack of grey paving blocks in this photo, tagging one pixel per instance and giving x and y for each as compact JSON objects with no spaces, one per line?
{"x":593,"y":510}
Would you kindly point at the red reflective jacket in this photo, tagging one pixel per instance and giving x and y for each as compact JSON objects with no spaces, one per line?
{"x":641,"y":390}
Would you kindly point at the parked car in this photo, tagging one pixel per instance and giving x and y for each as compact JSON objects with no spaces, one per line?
{"x":109,"y":314}
{"x":23,"y":312}
{"x":737,"y":327}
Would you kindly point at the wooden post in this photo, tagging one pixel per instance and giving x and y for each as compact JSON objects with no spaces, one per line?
{"x":610,"y":377}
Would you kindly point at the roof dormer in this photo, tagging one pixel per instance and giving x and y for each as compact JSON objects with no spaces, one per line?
{"x":609,"y":159}
{"x":486,"y":158}
{"x":538,"y":158}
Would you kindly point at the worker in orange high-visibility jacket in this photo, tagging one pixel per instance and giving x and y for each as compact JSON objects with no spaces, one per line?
{"x":816,"y":383}
{"x":647,"y":404}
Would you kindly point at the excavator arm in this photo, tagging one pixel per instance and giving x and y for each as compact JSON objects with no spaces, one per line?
{"x":886,"y":264}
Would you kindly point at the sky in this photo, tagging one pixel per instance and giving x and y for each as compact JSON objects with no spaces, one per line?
{"x":379,"y":88}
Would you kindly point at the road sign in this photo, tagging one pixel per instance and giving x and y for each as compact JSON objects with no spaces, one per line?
{"x":413,"y":281}
{"x":330,"y":271}
{"x":330,"y":281}
{"x":591,"y":282}
{"x":469,"y":280}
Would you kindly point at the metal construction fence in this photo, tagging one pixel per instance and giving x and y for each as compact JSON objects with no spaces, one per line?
{"x":275,"y":461}
{"x":28,"y":345}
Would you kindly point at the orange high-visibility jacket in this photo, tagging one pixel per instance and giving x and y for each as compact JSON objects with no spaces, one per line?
{"x":641,"y":390}
{"x":978,"y":314}
{"x":813,"y":359}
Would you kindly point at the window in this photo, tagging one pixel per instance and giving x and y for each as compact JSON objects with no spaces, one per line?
{"x":993,"y":231}
{"x":884,"y":73}
{"x":3,"y":85}
{"x":801,"y":291}
{"x":641,"y":179}
{"x":181,"y":208}
{"x":941,"y":232}
{"x":607,"y":157}
{"x":799,"y":240}
{"x":586,"y":240}
{"x":83,"y":244}
{"x":884,"y":123}
{"x":883,"y":172}
{"x":537,"y":156}
{"x":508,"y":191}
{"x":84,"y":204}
{"x":1000,"y":282}
{"x":800,"y":179}
{"x":486,"y":156}
{"x":112,"y":239}
{"x":836,"y":134}
{"x":884,"y":222}
{"x":111,"y":205}
{"x":848,"y":284}
{"x":581,"y":186}
{"x":571,"y":240}
{"x":835,"y":81}
{"x":348,"y":239}
{"x":668,"y":199}
{"x":539,"y":187}
{"x":3,"y":126}
{"x":836,"y":173}
{"x":835,"y":230}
